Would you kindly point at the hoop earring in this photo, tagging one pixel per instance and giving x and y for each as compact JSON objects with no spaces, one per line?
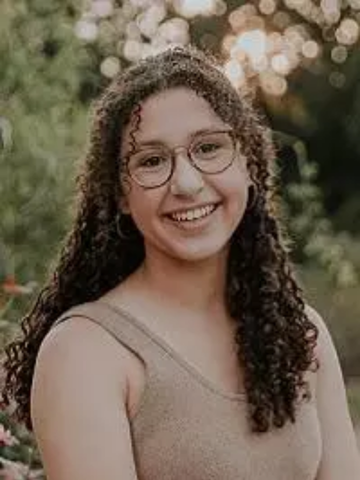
{"x":125,"y":227}
{"x":252,"y":196}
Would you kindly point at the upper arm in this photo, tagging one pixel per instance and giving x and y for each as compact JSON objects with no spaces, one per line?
{"x":78,"y":406}
{"x":340,"y":457}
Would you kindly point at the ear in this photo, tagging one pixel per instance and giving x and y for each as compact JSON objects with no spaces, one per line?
{"x":124,"y":205}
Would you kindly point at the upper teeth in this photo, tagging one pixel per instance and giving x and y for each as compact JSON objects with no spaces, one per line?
{"x":194,"y":214}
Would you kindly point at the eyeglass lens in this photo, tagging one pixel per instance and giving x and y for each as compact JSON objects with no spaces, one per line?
{"x":210,"y":153}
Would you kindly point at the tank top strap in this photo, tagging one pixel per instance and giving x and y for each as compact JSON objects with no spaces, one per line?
{"x":123,"y":328}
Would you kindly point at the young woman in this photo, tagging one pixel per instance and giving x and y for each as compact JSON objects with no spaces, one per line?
{"x":172,"y":340}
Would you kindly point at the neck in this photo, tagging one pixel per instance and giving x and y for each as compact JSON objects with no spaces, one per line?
{"x":195,"y":286}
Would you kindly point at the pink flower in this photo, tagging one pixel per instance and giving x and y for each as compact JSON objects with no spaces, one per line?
{"x":6,"y":438}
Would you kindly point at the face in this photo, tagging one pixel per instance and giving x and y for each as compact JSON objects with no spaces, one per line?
{"x":192,"y":216}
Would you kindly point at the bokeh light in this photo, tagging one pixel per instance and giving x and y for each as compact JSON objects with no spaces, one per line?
{"x":269,"y":45}
{"x":110,"y":67}
{"x":280,"y":64}
{"x":281,"y":20}
{"x":337,"y":79}
{"x":86,"y":30}
{"x":265,"y":43}
{"x":191,"y":8}
{"x":102,"y":8}
{"x":175,"y":31}
{"x":234,"y":71}
{"x":339,"y":54}
{"x":310,"y":49}
{"x":331,"y":11}
{"x":267,"y":7}
{"x":348,"y":32}
{"x":255,"y":52}
{"x":132,"y":50}
{"x":273,"y":84}
{"x":254,"y":45}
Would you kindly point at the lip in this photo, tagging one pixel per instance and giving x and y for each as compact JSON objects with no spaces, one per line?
{"x":191,"y":207}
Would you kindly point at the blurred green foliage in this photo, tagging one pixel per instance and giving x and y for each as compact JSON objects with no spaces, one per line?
{"x":19,"y":456}
{"x":39,"y":78}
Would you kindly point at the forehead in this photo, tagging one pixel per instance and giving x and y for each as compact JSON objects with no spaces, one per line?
{"x":172,"y":116}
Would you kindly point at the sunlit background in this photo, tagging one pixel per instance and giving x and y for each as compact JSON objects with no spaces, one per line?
{"x":263,"y":43}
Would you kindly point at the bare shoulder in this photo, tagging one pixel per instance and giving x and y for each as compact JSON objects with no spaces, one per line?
{"x":80,"y":336}
{"x":79,"y":344}
{"x":315,"y":318}
{"x":325,"y":348}
{"x":78,"y":403}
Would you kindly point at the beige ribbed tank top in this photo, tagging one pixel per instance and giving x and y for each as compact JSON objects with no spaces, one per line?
{"x":187,"y":429}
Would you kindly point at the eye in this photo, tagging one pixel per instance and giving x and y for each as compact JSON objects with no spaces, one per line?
{"x":148,"y":161}
{"x":153,"y":161}
{"x":207,"y":147}
{"x":212,"y":146}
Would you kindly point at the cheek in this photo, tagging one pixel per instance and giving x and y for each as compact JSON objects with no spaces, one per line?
{"x":143,"y":206}
{"x":236,"y":182}
{"x":235,"y":192}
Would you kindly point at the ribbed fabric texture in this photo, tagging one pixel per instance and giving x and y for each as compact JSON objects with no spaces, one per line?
{"x":187,"y":429}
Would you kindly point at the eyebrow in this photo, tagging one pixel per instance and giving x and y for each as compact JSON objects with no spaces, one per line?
{"x":158,"y":142}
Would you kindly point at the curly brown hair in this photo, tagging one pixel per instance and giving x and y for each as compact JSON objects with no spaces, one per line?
{"x":275,"y":338}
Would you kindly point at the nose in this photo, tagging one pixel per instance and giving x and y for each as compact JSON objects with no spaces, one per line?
{"x":186,"y":179}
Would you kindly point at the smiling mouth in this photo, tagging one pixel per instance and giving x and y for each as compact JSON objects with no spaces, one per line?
{"x":194,"y":214}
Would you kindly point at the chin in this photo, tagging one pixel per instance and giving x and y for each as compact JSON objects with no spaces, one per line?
{"x":198,"y":253}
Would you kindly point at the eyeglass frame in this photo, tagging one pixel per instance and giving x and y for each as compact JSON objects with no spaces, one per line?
{"x":172,"y":152}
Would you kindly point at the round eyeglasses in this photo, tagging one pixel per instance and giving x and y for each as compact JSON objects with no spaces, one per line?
{"x":210,"y":153}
